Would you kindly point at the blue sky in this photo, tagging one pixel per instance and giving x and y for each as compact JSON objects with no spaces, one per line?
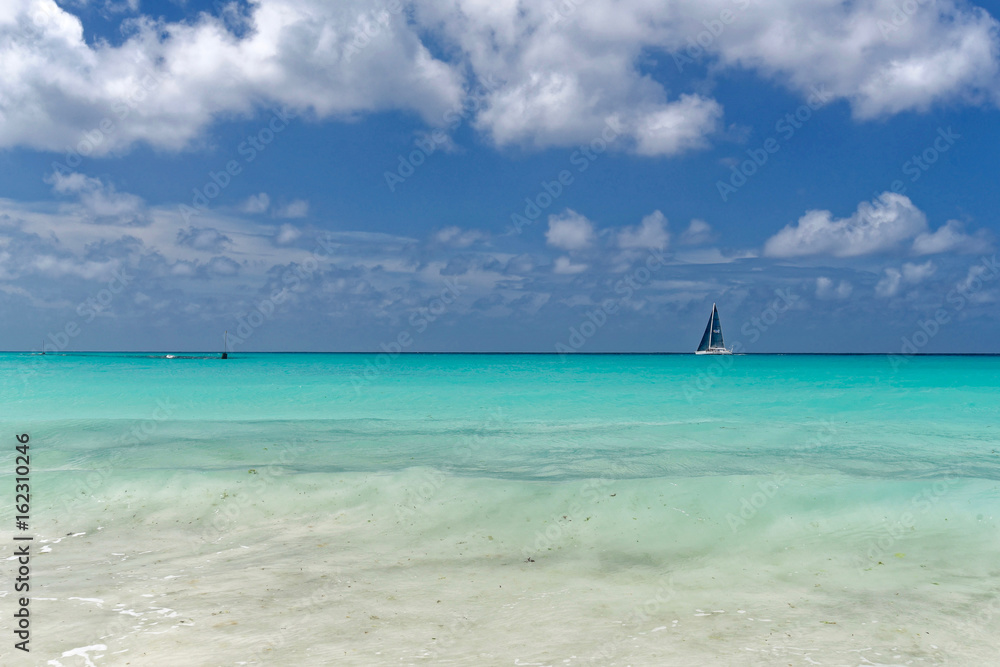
{"x":824,"y":171}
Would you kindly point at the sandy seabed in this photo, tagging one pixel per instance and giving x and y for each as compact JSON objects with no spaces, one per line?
{"x":421,"y":567}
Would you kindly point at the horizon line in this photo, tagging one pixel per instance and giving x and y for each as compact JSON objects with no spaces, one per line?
{"x":561,"y":354}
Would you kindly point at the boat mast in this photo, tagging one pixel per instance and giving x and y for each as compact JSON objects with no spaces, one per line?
{"x":711,"y":335}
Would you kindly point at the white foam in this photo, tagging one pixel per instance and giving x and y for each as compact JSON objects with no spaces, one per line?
{"x":97,"y":601}
{"x":82,"y":652}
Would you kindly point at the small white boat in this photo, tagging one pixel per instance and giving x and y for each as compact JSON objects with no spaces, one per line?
{"x":711,"y":341}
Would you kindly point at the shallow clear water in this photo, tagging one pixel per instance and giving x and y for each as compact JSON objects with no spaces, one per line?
{"x":508,"y":509}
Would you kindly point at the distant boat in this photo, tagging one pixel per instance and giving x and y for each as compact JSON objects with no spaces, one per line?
{"x":711,"y":341}
{"x":225,"y":345}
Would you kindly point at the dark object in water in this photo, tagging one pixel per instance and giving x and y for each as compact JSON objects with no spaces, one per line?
{"x":225,"y":345}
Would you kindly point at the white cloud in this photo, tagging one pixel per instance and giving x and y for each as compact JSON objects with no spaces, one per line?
{"x":287,"y":234}
{"x":256,"y":203}
{"x":825,"y":289}
{"x":97,"y":200}
{"x":651,"y":233}
{"x":222,"y":266}
{"x":972,"y":285}
{"x":916,"y":273}
{"x":298,"y":208}
{"x":893,"y":279}
{"x":168,"y":81}
{"x":889,"y":284}
{"x":569,"y":231}
{"x":561,"y":81}
{"x":677,"y":127}
{"x":572,"y":81}
{"x":950,"y":237}
{"x":566,"y":78}
{"x":457,"y":237}
{"x":698,"y":232}
{"x":57,"y":267}
{"x":945,"y":50}
{"x":206,"y":239}
{"x":564,"y":265}
{"x":879,"y":226}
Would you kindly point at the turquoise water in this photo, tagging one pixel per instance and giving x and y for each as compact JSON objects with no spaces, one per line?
{"x":580,"y":510}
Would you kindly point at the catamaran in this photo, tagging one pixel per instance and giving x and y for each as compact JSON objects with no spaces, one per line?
{"x":711,"y":341}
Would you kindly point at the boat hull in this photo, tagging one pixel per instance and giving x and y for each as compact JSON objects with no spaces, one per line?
{"x":714,"y":352}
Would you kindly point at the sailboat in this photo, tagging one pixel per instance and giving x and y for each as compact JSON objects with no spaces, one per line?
{"x":225,"y":345}
{"x":711,"y":341}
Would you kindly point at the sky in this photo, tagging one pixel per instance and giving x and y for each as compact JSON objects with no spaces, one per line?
{"x":487,"y":175}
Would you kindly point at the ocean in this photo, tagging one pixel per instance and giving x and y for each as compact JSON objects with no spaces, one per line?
{"x":315,"y":509}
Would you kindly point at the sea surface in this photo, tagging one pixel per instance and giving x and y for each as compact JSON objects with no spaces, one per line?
{"x":297,"y":509}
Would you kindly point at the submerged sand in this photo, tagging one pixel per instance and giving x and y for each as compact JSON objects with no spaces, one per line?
{"x":420,"y":567}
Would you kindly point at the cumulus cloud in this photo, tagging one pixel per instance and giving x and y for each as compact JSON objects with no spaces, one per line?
{"x":99,"y":201}
{"x":258,"y":203}
{"x":676,"y":127}
{"x":951,"y":237}
{"x":945,"y":50}
{"x":651,"y":233}
{"x":698,"y":232}
{"x":880,"y":226}
{"x":168,"y":81}
{"x":206,"y":239}
{"x":915,"y":273}
{"x":825,"y":289}
{"x":889,"y":284}
{"x":298,"y":208}
{"x":563,"y":265}
{"x":457,"y":237}
{"x":222,"y":266}
{"x":910,"y":273}
{"x":560,"y":82}
{"x":287,"y":233}
{"x":569,"y":231}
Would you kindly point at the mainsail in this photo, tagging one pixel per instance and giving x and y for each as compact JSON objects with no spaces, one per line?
{"x":712,"y":338}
